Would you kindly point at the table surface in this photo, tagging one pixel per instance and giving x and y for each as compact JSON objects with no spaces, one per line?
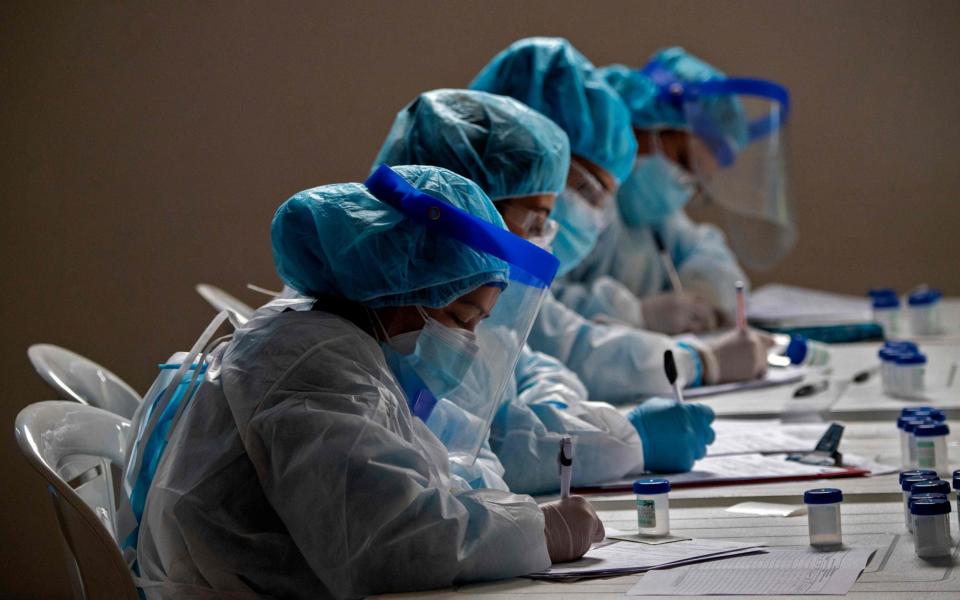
{"x":872,"y":509}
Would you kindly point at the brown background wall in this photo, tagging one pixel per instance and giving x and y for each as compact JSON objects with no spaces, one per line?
{"x":145,"y":147}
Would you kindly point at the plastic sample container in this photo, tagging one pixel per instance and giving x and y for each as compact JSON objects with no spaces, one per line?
{"x":956,"y":487}
{"x":931,"y":443}
{"x":906,"y":484}
{"x":823,"y":516}
{"x":924,"y":309}
{"x":653,"y":506}
{"x":909,"y":371}
{"x":910,"y":428}
{"x":932,"y":521}
{"x":804,"y":352}
{"x":886,"y":310}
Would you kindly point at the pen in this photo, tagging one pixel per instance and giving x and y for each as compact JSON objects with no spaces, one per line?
{"x":670,"y":368}
{"x":741,"y":308}
{"x":565,"y":461}
{"x":667,"y":262}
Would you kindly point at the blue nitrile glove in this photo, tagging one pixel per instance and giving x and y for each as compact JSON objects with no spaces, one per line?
{"x":674,"y":434}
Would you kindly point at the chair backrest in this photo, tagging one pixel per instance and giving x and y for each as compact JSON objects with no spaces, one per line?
{"x":240,"y":312}
{"x":75,"y":377}
{"x":58,"y":439}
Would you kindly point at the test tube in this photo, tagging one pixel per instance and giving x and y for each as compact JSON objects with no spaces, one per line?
{"x":653,"y":506}
{"x":823,"y":516}
{"x":932,"y":520}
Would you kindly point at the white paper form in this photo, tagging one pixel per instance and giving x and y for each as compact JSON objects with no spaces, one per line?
{"x":748,"y":436}
{"x":732,"y":468}
{"x":773,"y":377}
{"x":630,"y":557}
{"x":749,"y":466}
{"x":790,"y":305}
{"x":782,"y":571}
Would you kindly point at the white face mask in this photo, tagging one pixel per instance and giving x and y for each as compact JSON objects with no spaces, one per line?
{"x":440,"y":355}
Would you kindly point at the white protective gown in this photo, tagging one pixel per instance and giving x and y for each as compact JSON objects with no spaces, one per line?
{"x":625,"y":266}
{"x":548,"y":402}
{"x":616,"y":363}
{"x":298,"y":471}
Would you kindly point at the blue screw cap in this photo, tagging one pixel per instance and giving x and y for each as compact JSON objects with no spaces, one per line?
{"x":822,"y":496}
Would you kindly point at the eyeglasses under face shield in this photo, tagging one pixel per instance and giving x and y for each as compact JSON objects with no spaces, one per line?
{"x":534,"y":225}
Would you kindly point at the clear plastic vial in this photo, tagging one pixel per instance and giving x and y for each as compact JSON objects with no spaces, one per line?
{"x":653,"y":506}
{"x":932,"y":520}
{"x":823,"y":516}
{"x":910,"y":428}
{"x":923,"y":306}
{"x":904,"y":442}
{"x":931,"y":442}
{"x":956,"y":487}
{"x":804,"y":352}
{"x":906,"y":484}
{"x":909,"y":369}
{"x":924,"y":489}
{"x":886,"y":310}
{"x":907,"y":414}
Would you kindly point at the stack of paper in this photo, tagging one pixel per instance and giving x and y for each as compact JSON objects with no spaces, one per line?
{"x":623,"y":558}
{"x":783,"y":571}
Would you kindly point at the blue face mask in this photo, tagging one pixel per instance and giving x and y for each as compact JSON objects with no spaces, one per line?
{"x":655,"y":189}
{"x":579,"y":226}
{"x":436,"y":356}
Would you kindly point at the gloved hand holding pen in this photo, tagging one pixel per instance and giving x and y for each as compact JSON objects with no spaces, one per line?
{"x":738,"y":355}
{"x":571,"y":526}
{"x":673,"y":313}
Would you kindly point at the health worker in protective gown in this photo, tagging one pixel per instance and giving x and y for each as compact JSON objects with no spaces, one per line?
{"x":306,"y":466}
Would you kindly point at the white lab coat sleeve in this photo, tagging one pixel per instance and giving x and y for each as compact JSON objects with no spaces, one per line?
{"x":616,"y":363}
{"x":355,"y":478}
{"x":551,"y":403}
{"x":704,"y":261}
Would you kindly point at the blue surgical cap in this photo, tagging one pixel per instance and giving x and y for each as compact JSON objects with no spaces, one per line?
{"x":503,"y":146}
{"x":650,"y":110}
{"x":550,"y":76}
{"x":340,"y":240}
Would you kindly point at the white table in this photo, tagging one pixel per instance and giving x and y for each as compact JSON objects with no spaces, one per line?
{"x":872,"y":510}
{"x":864,"y":401}
{"x":894,"y":571}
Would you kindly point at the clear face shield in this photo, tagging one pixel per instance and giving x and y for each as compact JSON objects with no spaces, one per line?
{"x":738,"y":153}
{"x":460,"y":415}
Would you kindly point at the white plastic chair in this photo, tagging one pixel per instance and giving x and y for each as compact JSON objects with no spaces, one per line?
{"x":75,"y":377}
{"x":239,"y":311}
{"x":58,"y":438}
